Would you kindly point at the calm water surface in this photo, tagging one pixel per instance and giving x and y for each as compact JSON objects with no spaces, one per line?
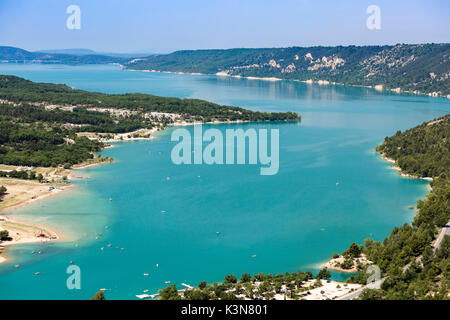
{"x":290,"y":221}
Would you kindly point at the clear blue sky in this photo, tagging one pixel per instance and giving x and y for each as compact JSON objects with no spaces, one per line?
{"x":168,"y":25}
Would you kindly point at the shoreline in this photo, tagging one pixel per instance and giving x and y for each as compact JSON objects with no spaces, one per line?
{"x":331,"y":263}
{"x":378,"y":88}
{"x":52,"y":235}
{"x":28,"y":231}
{"x":23,"y":232}
{"x":67,"y":187}
{"x":395,"y":166}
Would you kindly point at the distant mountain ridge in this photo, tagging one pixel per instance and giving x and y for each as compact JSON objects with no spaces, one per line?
{"x":416,"y":68}
{"x":12,"y":54}
{"x":75,"y":51}
{"x":84,"y":52}
{"x":421,"y":68}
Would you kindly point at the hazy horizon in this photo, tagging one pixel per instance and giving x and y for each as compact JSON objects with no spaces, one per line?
{"x":150,"y":53}
{"x":166,"y":26}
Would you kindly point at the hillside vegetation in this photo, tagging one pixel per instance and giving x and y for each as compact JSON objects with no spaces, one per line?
{"x":413,"y":267}
{"x":423,"y":151}
{"x":12,"y":54}
{"x":419,"y":68}
{"x":422,"y":68}
{"x":40,"y":122}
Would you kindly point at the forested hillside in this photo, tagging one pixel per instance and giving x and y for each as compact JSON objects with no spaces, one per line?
{"x":414,"y":268}
{"x":419,"y":68}
{"x":11,"y":54}
{"x":423,"y":68}
{"x":423,"y":151}
{"x":40,"y":122}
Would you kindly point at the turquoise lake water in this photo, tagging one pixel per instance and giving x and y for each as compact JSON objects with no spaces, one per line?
{"x":292,"y":220}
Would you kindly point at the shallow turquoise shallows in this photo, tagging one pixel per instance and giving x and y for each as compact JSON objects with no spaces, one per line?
{"x":290,"y":221}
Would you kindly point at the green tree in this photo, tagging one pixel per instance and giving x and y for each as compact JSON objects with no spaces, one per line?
{"x":372,"y":294}
{"x":246,"y":277}
{"x":4,"y":235}
{"x":353,"y":252}
{"x":196,"y":294}
{"x":3,"y":190}
{"x":230,"y":278}
{"x":169,"y":293}
{"x":323,"y":274}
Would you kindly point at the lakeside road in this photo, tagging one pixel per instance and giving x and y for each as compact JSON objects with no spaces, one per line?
{"x":355,"y":294}
{"x":444,"y":232}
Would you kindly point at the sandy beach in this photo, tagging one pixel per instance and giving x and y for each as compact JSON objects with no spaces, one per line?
{"x":140,"y":134}
{"x":22,"y":232}
{"x":334,"y":263}
{"x":23,"y":192}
